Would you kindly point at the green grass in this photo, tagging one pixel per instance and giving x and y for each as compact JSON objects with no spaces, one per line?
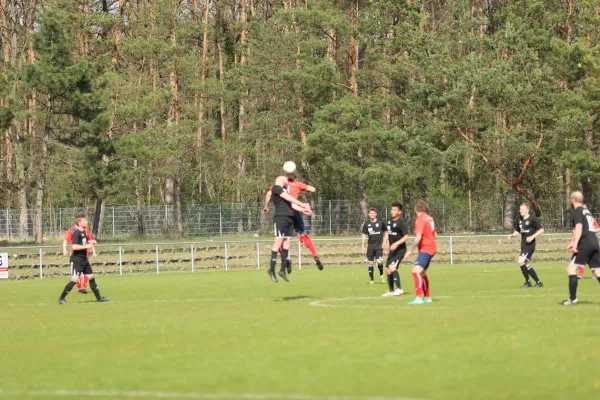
{"x":216,"y":332}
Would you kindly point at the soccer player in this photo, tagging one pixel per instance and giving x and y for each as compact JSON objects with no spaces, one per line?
{"x":529,"y":228}
{"x":373,"y":230}
{"x":581,"y":270}
{"x":82,"y":283}
{"x":295,"y":188}
{"x":425,"y":241}
{"x":583,"y":245}
{"x":395,"y":241}
{"x":284,"y":225}
{"x":80,"y":264}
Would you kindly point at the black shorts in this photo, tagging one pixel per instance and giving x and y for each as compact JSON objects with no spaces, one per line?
{"x":585,"y":257}
{"x":284,"y":227}
{"x":374,"y":254}
{"x":527,"y":250}
{"x":81,"y":266}
{"x":395,"y":257}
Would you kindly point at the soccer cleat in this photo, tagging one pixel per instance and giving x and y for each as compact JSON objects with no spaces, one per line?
{"x":288,"y":266}
{"x":580,"y":277}
{"x":83,"y":291}
{"x":417,"y":300}
{"x":372,"y":282}
{"x":539,"y":284}
{"x":568,"y":302}
{"x":62,"y":301}
{"x":526,"y":285}
{"x":283,"y":275}
{"x":398,"y":292}
{"x":272,"y":275}
{"x":387,"y":294}
{"x":103,"y":299}
{"x":428,"y":300}
{"x":319,"y":263}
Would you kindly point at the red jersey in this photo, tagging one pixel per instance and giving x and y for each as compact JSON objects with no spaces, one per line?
{"x":294,"y":188}
{"x":425,"y":226}
{"x":596,"y":226}
{"x":69,"y":237}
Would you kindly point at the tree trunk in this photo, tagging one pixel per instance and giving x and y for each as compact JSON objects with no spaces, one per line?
{"x":353,"y":51}
{"x":138,"y":201}
{"x":178,"y":208}
{"x":41,"y":184}
{"x":509,"y":207}
{"x":222,"y":97}
{"x":98,"y":214}
{"x":200,"y":103}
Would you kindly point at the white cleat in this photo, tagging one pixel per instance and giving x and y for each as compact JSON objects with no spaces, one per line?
{"x":387,"y":294}
{"x":398,"y":292}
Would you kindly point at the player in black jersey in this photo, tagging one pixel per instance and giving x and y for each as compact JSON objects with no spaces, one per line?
{"x":80,"y":265}
{"x":395,"y":241}
{"x":529,"y":228}
{"x":284,"y":224}
{"x":373,"y":230}
{"x":583,"y":245}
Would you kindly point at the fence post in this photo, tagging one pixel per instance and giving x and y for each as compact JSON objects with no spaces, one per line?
{"x":113,"y":221}
{"x":258,"y":255}
{"x":221,"y":220}
{"x":7,"y":223}
{"x":299,"y":255}
{"x":444,"y":213}
{"x":41,"y":263}
{"x":226,"y":259}
{"x":562,"y":214}
{"x":167,"y":216}
{"x":330,"y":230}
{"x":121,"y":260}
{"x":502,"y":212}
{"x":193,"y":260}
{"x":451,"y":252}
{"x":157,"y":267}
{"x":60,"y":220}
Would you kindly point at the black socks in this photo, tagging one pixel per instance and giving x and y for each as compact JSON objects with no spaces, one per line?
{"x":380,"y":266}
{"x":67,"y":289}
{"x":284,"y":258}
{"x":573,"y":287}
{"x":273,"y":260}
{"x":390,"y":282}
{"x":94,"y":287}
{"x":525,"y":272}
{"x":532,"y":273}
{"x":371,"y":270}
{"x":396,"y":277}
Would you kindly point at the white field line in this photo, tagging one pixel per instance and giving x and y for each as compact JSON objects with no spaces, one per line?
{"x":186,"y":395}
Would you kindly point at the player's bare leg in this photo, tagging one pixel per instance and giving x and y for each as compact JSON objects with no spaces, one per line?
{"x":522,"y":261}
{"x":72,"y":283}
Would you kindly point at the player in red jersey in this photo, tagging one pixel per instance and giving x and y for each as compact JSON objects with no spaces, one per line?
{"x":82,"y":283}
{"x":580,"y":269}
{"x":295,"y":188}
{"x":425,"y":241}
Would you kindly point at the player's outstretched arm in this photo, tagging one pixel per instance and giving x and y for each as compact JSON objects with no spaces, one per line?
{"x":512,"y":235}
{"x":65,"y":252}
{"x":415,"y":244}
{"x":536,"y":234}
{"x":288,"y":197}
{"x":267,"y":201}
{"x":311,"y":189}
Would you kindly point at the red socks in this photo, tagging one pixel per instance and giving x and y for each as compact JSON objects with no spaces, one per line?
{"x":82,"y":284}
{"x":426,"y":282}
{"x":581,"y":270}
{"x":418,"y":284}
{"x":309,"y":245}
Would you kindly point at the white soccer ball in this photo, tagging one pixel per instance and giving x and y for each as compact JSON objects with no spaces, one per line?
{"x":289,"y":167}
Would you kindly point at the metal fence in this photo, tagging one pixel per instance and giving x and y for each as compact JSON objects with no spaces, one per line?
{"x":27,"y":262}
{"x":331,"y":217}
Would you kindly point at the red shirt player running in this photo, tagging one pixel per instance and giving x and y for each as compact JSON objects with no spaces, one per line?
{"x":425,"y":241}
{"x":82,"y":283}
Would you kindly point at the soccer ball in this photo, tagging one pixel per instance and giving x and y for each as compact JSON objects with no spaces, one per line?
{"x":289,"y":167}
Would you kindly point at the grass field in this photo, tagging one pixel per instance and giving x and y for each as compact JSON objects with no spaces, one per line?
{"x":326,"y":335}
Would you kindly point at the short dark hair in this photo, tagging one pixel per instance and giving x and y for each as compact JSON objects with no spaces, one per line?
{"x":421,"y":206}
{"x":292,"y":176}
{"x":372,"y":209}
{"x":397,"y":205}
{"x":79,"y":217}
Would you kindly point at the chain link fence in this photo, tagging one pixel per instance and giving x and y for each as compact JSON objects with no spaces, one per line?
{"x":491,"y":214}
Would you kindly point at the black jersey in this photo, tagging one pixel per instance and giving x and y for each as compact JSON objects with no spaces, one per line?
{"x":283,"y":208}
{"x":527,"y":227}
{"x":80,"y":237}
{"x":396,"y":231}
{"x":375,"y":231}
{"x":588,"y":240}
